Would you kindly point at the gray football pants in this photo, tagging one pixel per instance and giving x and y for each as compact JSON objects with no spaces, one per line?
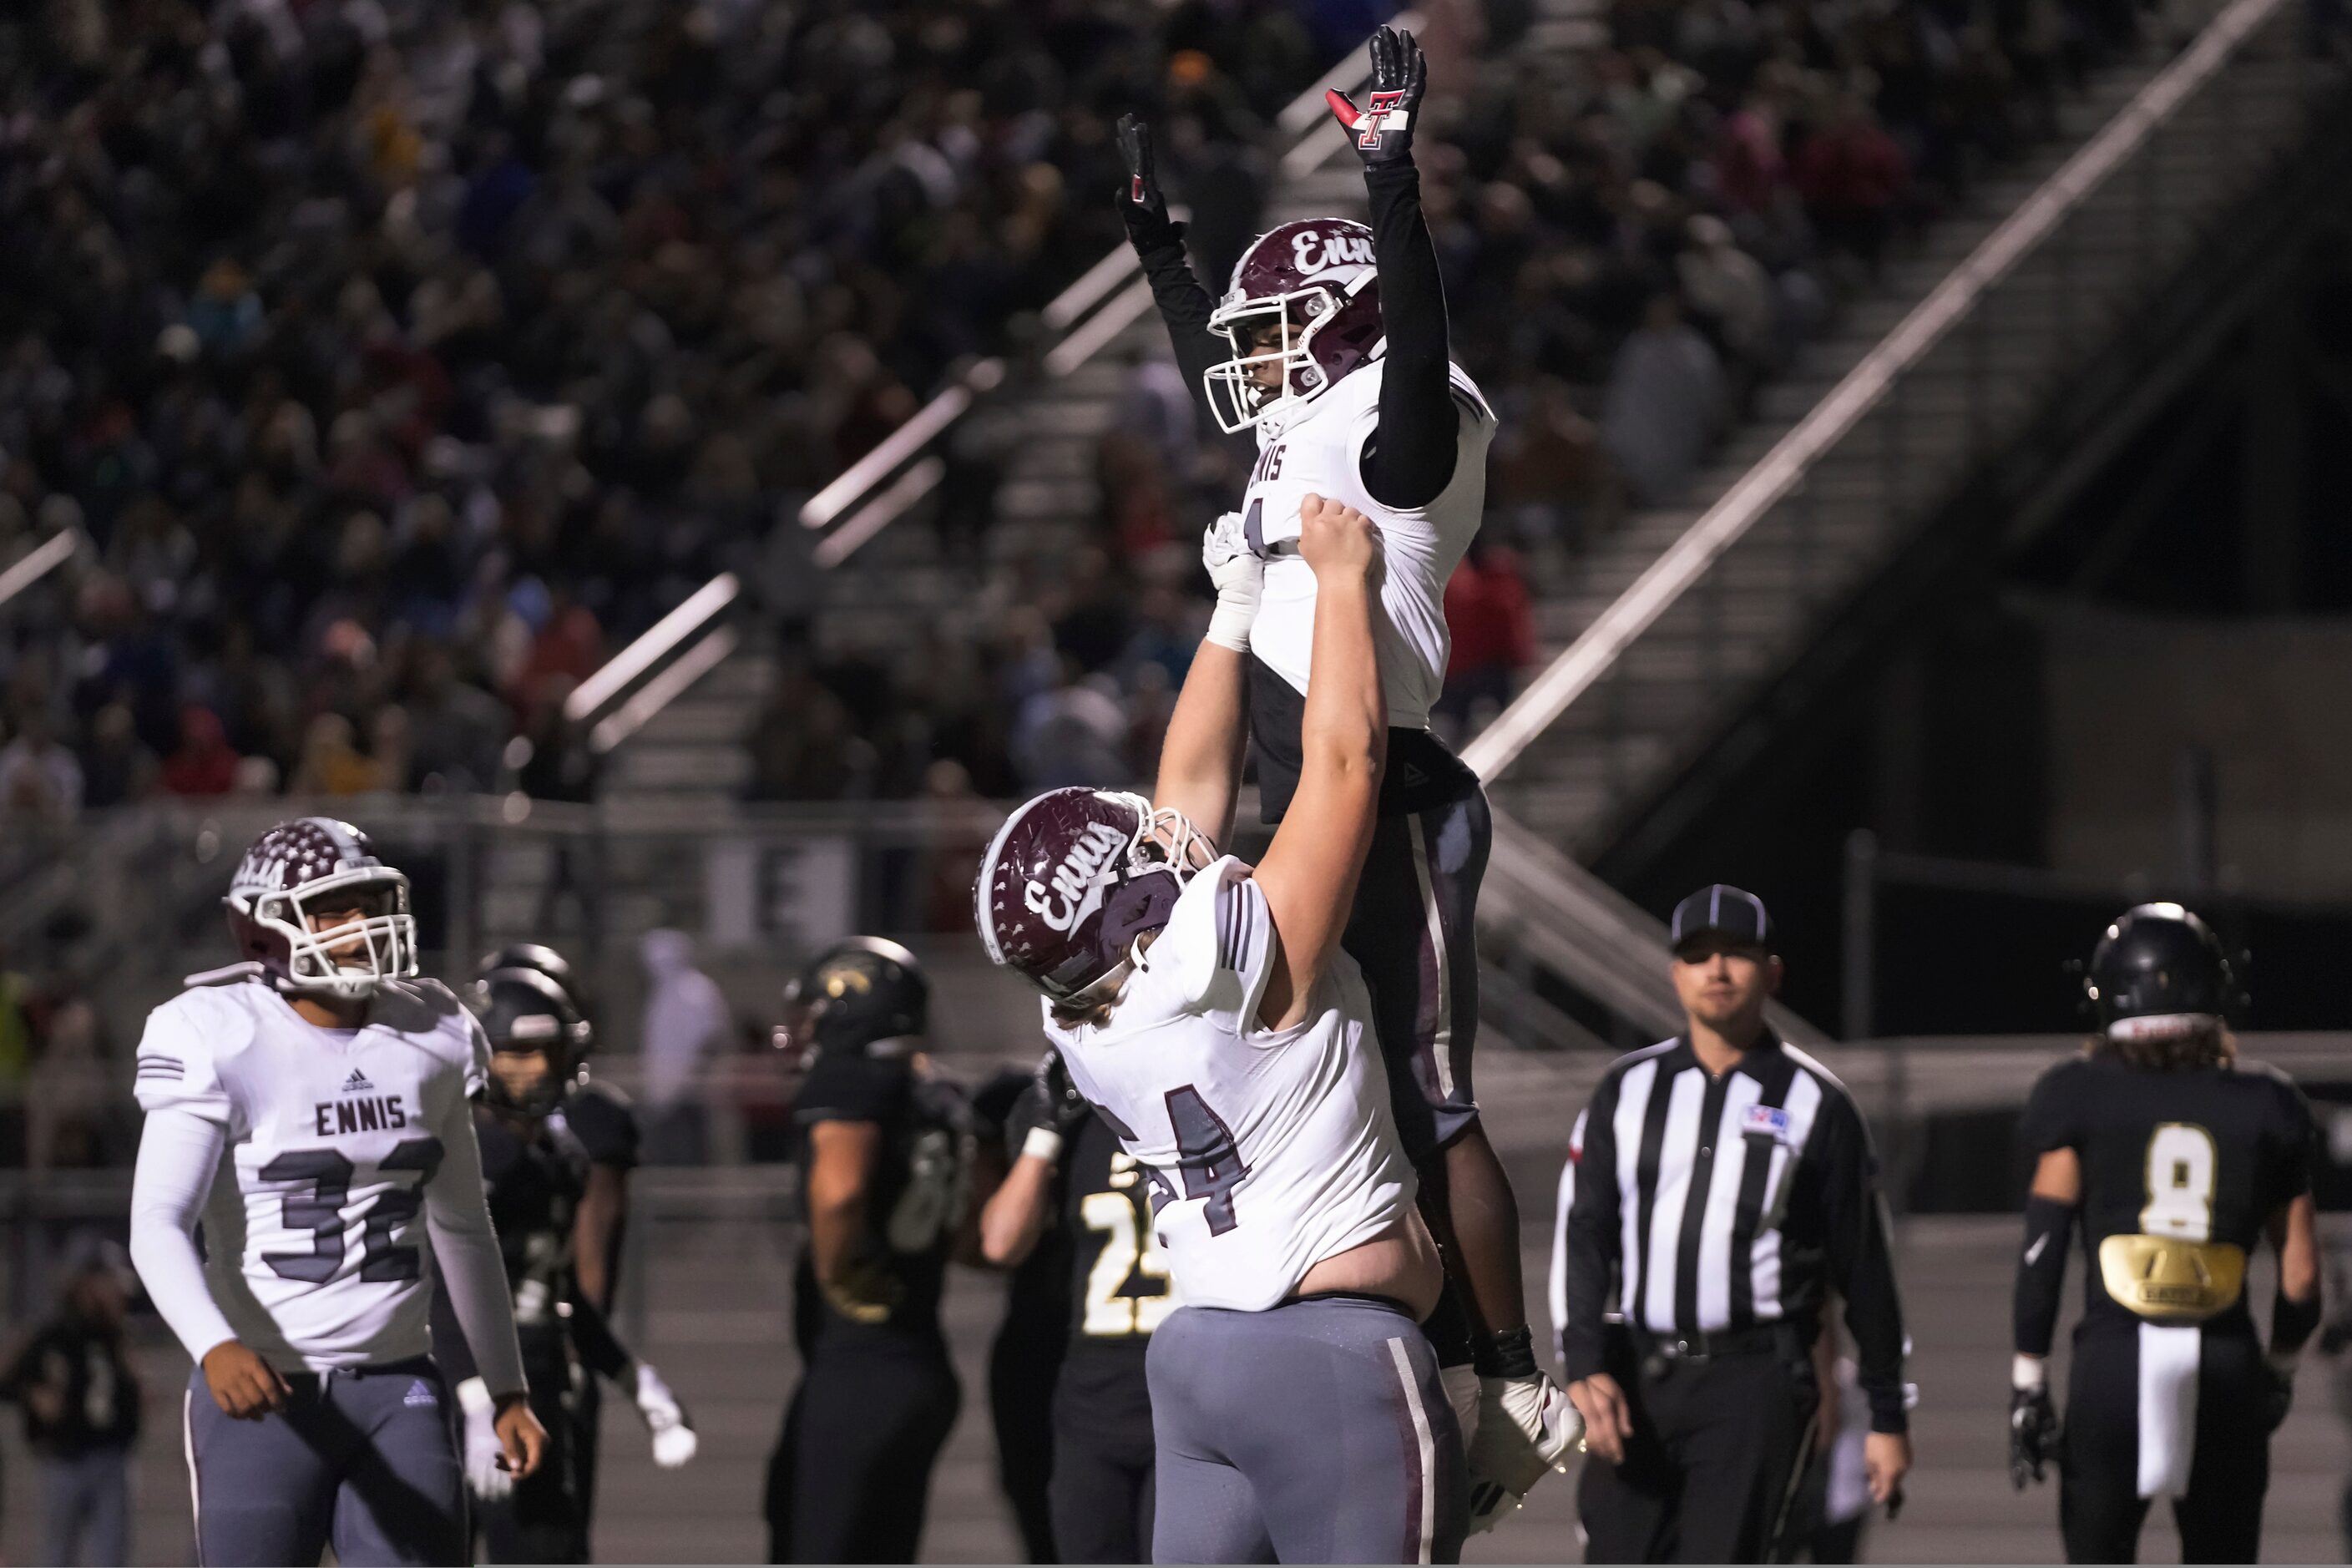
{"x":1314,"y":1432}
{"x":367,"y":1458}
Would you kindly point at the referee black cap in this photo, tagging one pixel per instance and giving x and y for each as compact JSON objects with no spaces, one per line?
{"x":1722,"y":910}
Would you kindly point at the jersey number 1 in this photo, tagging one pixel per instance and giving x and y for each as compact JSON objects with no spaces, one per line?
{"x":320,"y":1212}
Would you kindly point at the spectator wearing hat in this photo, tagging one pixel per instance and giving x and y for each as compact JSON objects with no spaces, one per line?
{"x":1720,"y":1191}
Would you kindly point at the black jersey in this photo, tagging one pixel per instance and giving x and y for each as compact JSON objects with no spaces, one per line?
{"x":604,"y":1123}
{"x":916,"y":1197}
{"x":534,"y":1181}
{"x":2181,"y":1171}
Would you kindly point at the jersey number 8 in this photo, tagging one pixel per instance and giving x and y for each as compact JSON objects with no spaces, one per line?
{"x":2181,"y":1166}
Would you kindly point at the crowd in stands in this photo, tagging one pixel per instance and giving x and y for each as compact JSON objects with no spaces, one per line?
{"x":400,"y":359}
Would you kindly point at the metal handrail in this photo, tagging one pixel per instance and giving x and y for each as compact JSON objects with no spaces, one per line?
{"x":39,"y":562}
{"x":1779,"y":473}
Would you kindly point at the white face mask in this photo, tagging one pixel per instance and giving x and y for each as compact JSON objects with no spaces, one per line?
{"x":1236,"y":398}
{"x":352,"y":958}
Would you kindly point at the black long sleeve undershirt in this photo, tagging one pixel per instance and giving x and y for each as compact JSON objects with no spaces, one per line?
{"x":1183,"y":304}
{"x":1411,"y":459}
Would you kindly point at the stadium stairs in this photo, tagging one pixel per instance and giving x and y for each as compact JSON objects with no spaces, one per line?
{"x":1931,"y":416}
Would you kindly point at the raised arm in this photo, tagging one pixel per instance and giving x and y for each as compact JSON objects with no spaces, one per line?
{"x":1309,"y":875}
{"x":1158,"y":244}
{"x":1410,"y":460}
{"x":1200,"y":757}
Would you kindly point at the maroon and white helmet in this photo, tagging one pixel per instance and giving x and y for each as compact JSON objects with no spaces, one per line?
{"x":317,"y":865}
{"x":1072,"y":880}
{"x":1314,"y":280}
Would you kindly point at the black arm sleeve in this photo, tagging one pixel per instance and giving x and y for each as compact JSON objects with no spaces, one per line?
{"x":601,"y":1350}
{"x":2041,"y":1274}
{"x":1593,"y":1238}
{"x":451,"y":1353}
{"x":1411,"y":460}
{"x":1183,"y":304}
{"x":1861,"y":1261}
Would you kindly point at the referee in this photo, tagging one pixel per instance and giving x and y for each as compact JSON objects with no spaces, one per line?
{"x":1721,"y":1188}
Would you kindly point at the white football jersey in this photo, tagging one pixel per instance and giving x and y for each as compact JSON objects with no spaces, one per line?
{"x":1268,"y":1151}
{"x":314,"y":1232}
{"x":1319,"y":451}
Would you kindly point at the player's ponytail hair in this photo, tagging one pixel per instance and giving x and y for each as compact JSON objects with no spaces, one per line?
{"x":2210,"y":1045}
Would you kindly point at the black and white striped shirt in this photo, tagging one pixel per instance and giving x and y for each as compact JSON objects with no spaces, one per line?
{"x":1696,"y":1204}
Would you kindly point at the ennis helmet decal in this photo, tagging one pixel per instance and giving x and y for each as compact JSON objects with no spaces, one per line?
{"x":1073,"y":878}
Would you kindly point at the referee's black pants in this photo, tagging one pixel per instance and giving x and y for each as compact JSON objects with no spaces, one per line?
{"x":1718,"y":1448}
{"x":2100,"y":1510}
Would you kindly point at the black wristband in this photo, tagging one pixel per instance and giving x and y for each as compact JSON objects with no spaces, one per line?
{"x":2292,"y":1322}
{"x":1510,"y":1354}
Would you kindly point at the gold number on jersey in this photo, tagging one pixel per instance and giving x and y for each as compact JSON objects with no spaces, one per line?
{"x":2182,"y":1167}
{"x":1128,"y":1247}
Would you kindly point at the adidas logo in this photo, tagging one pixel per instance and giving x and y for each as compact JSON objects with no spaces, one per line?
{"x":358,"y":1084}
{"x":419,"y":1392}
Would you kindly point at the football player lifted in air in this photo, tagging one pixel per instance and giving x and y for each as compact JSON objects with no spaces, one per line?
{"x":604,"y":1124}
{"x":537,"y":1173}
{"x":1330,"y":342}
{"x":888,"y":1148}
{"x":1068,"y":1174}
{"x":309,"y":1106}
{"x":2178,"y":1160}
{"x":1206,"y":1011}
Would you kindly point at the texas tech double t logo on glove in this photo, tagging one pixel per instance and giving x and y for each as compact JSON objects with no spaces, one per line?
{"x":1384,"y":127}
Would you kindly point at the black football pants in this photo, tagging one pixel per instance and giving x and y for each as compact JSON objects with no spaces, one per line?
{"x":1717,"y":1448}
{"x":2100,"y":1509}
{"x":852,"y":1474}
{"x":1101,"y":1491}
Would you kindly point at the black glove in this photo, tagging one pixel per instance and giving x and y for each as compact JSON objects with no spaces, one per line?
{"x":1383,"y":130}
{"x":1066,"y":1108}
{"x":2278,"y":1395}
{"x":2032,"y":1434}
{"x":1141,"y":205}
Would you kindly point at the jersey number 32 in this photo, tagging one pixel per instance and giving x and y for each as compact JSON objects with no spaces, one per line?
{"x":320,"y":1212}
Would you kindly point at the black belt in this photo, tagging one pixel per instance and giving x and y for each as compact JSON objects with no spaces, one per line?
{"x":1701,"y":1345}
{"x":308,"y":1382}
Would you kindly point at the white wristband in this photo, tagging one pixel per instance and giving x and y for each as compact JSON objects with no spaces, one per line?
{"x":474,"y":1395}
{"x":1043,"y":1143}
{"x":2029,"y":1372}
{"x":1229,"y":624}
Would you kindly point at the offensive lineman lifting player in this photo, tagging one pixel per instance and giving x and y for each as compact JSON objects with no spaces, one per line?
{"x":1332,"y":344}
{"x":2178,"y":1158}
{"x":1204,"y":1009}
{"x":309,"y":1106}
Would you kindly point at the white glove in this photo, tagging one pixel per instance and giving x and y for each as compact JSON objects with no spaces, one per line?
{"x":1526,"y":1427}
{"x":665,"y":1419}
{"x":1240,"y":577}
{"x":485,"y":1468}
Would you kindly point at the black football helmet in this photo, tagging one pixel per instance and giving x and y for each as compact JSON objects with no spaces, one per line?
{"x":863,"y":997}
{"x":522,"y":1010}
{"x":2159,"y":971}
{"x":551,"y":966}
